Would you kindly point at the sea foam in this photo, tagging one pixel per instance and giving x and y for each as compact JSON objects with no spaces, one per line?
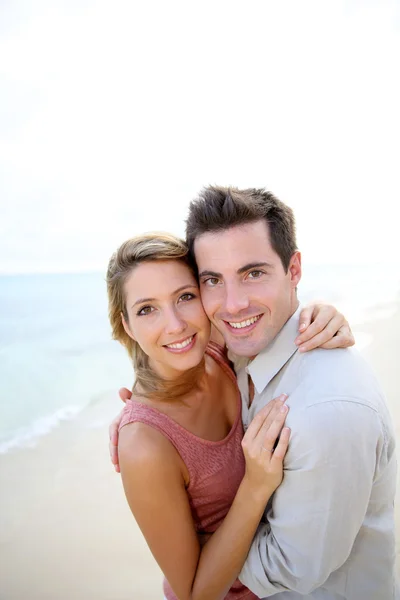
{"x":27,"y":437}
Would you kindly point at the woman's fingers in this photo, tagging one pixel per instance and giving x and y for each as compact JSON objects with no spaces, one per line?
{"x":321,"y":332}
{"x":325,"y":319}
{"x":337,"y":334}
{"x":280,"y":451}
{"x":322,"y":326}
{"x":113,"y":443}
{"x":269,"y":433}
{"x":314,"y":318}
{"x":343,"y":339}
{"x":264,"y":470}
{"x":265,"y":415}
{"x":125,"y":394}
{"x":319,"y":339}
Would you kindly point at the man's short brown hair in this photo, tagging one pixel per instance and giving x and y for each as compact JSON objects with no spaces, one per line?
{"x":220,"y":208}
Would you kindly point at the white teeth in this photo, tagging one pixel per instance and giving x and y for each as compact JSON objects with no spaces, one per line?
{"x":244,"y":323}
{"x":181,"y":344}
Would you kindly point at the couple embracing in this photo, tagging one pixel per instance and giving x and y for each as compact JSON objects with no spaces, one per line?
{"x":256,"y":450}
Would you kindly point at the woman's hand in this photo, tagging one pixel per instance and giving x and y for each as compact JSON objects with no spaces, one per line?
{"x":264,"y":446}
{"x":323,"y":326}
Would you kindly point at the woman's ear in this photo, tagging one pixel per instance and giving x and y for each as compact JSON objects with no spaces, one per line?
{"x":126,"y":327}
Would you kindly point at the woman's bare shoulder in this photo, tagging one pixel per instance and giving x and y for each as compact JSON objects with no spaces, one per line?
{"x":141,"y":443}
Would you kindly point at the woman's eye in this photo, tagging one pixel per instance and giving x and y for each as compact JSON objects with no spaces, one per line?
{"x":186,"y":297}
{"x":255,"y":274}
{"x":146,"y":310}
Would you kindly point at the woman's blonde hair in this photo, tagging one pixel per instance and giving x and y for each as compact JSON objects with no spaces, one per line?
{"x":145,"y":248}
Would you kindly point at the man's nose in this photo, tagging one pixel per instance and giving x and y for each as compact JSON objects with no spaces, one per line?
{"x":236,"y":299}
{"x":173,"y":322}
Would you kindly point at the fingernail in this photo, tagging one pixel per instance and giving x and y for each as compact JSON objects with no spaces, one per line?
{"x":302,"y":348}
{"x":284,"y":408}
{"x":283,"y":397}
{"x":302,"y":326}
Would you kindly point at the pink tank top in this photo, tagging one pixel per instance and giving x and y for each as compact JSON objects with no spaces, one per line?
{"x":215,"y":468}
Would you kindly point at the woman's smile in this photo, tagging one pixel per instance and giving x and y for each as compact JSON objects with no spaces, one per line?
{"x":183,"y":345}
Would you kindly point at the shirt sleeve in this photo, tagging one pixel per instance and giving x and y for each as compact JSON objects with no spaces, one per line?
{"x":318,"y":510}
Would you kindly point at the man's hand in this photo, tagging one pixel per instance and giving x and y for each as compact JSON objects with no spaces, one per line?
{"x":322,"y":326}
{"x":125,"y":395}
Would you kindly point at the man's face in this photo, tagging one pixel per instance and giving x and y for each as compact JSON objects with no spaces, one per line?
{"x":244,"y":288}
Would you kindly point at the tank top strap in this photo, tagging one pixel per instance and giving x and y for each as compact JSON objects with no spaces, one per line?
{"x":220,"y":355}
{"x":137,"y":412}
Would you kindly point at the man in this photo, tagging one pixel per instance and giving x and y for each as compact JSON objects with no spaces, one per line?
{"x":328,"y":532}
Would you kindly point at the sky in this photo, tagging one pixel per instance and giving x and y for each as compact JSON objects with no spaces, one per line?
{"x":113,"y":115}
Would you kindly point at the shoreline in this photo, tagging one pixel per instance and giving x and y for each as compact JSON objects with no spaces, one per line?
{"x":64,"y":517}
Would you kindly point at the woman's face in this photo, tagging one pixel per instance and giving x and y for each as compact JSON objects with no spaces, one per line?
{"x":166,"y":316}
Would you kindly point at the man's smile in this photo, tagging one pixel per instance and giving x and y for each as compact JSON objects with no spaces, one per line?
{"x":243,"y":326}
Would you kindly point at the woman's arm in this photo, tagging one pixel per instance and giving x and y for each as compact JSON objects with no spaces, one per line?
{"x":154,"y":480}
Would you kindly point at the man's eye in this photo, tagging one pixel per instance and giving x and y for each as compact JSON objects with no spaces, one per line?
{"x":255,"y":274}
{"x":186,"y":297}
{"x":146,"y":310}
{"x":211,"y":281}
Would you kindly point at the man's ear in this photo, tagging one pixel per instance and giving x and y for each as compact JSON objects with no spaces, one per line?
{"x":294,"y":269}
{"x":126,"y":327}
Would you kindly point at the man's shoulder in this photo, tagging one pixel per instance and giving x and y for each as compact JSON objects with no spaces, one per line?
{"x":320,"y":356}
{"x":333,"y":363}
{"x":336,"y":394}
{"x":340,"y":374}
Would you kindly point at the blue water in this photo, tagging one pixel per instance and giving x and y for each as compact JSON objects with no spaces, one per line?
{"x":56,"y":353}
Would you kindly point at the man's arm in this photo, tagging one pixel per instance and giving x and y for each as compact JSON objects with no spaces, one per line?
{"x":319,"y":508}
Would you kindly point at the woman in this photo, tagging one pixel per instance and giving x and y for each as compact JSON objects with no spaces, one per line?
{"x":185,"y":468}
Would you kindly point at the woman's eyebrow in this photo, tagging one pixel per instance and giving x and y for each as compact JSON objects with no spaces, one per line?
{"x":141,"y":300}
{"x":179,"y":289}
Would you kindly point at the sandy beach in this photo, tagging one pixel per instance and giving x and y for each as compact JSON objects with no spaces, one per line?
{"x":66,"y":530}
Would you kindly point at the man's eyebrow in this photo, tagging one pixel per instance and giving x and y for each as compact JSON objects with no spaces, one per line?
{"x":179,"y":289}
{"x":210,"y":274}
{"x":255,"y":265}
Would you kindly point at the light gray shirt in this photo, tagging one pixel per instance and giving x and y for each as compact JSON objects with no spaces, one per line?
{"x":329,"y":528}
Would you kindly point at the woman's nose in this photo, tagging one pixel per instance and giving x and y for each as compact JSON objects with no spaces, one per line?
{"x":174,"y":323}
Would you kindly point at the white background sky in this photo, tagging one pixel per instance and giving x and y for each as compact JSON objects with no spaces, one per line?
{"x":114,"y":114}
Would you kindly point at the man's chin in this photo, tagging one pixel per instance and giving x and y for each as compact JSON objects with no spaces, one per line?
{"x":244,"y":348}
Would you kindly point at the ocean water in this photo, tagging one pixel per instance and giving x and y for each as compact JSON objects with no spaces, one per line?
{"x":56,"y":353}
{"x":57,"y":358}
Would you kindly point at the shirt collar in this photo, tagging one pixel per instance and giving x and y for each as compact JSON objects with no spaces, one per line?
{"x":270,"y":360}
